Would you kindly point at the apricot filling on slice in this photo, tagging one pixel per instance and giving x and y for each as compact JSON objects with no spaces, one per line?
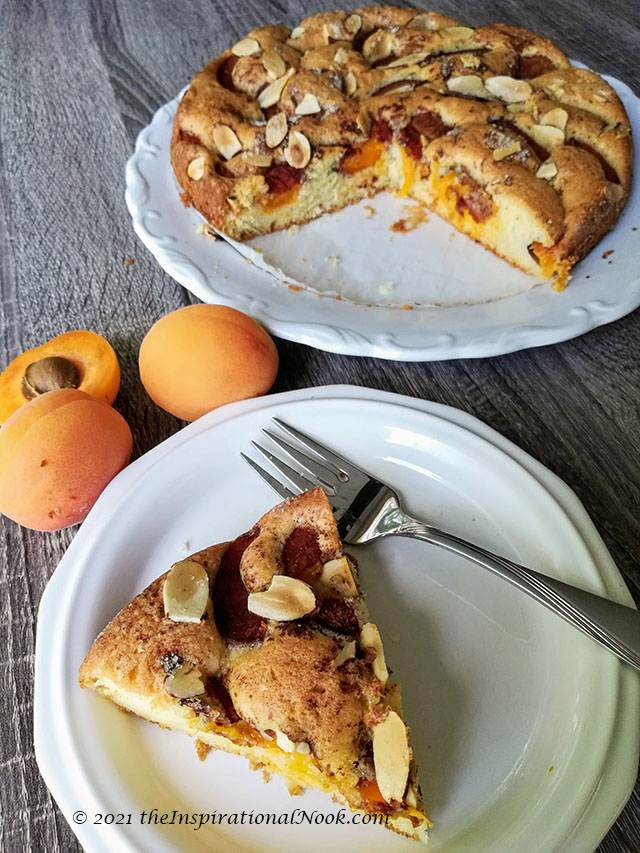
{"x":364,"y":157}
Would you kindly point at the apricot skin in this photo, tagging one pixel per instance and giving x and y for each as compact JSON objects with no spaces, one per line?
{"x":203,"y":356}
{"x":57,"y":454}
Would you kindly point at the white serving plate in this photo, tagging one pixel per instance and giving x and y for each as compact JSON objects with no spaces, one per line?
{"x":468,"y":303}
{"x":526,"y":731}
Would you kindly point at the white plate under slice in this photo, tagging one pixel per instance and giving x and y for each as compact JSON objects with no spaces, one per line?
{"x":464,"y":302}
{"x":526,"y":731}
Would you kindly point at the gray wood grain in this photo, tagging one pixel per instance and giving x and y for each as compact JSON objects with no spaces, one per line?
{"x":78,"y":80}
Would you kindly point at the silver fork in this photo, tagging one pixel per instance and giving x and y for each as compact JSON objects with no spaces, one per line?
{"x":366,"y":509}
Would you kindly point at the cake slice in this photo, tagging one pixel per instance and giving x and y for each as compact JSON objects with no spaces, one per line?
{"x":262,"y":647}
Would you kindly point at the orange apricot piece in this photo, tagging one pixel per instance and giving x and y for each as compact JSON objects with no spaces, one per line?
{"x":57,"y":454}
{"x":364,"y":157}
{"x":79,"y":359}
{"x":203,"y":356}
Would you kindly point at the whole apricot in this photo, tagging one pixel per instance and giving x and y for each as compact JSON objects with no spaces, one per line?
{"x":57,"y":453}
{"x":203,"y":356}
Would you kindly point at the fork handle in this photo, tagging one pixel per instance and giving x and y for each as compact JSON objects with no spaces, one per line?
{"x":613,"y":625}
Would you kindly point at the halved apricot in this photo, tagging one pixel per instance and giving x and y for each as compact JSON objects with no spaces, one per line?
{"x":79,"y":359}
{"x":57,"y":453}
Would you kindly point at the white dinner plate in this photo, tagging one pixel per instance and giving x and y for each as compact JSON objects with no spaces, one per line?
{"x":526,"y":731}
{"x":376,"y":272}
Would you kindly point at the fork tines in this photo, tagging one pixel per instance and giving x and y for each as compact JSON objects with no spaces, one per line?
{"x":316,"y":465}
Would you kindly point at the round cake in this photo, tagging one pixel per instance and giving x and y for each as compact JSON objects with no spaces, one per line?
{"x":490,"y":127}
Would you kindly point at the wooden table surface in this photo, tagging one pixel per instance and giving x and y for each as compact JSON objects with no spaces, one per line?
{"x":78,"y":80}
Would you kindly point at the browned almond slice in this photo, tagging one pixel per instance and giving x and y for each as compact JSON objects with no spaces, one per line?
{"x":370,"y":639}
{"x":255,"y":159}
{"x":547,"y":171}
{"x":508,"y":89}
{"x":391,"y":757}
{"x":276,"y":130}
{"x":352,"y":24}
{"x":195,"y":169}
{"x":286,"y":599}
{"x":556,"y":117}
{"x":346,"y":653}
{"x":274,"y":64}
{"x":501,"y":153}
{"x":457,"y":33}
{"x":297,"y":32}
{"x":308,"y":105}
{"x":340,"y":55}
{"x":245,"y":47}
{"x":184,"y":682}
{"x":547,"y":135}
{"x":467,"y":84}
{"x":409,"y":59}
{"x":186,"y":592}
{"x":298,"y":151}
{"x":271,"y":94}
{"x":226,"y":141}
{"x":350,"y":83}
{"x":336,"y":578}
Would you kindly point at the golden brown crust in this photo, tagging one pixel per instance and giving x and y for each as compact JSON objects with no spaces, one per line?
{"x":401,"y":76}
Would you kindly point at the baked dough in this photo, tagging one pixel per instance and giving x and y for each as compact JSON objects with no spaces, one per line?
{"x":307,"y":698}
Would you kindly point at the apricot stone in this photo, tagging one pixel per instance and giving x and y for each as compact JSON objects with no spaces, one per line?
{"x":57,"y":453}
{"x":203,"y":356}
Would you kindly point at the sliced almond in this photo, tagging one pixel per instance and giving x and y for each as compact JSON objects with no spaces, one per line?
{"x":276,"y":130}
{"x":501,"y":153}
{"x":298,"y":151}
{"x":286,"y":599}
{"x":297,"y":32}
{"x":287,"y":745}
{"x":245,"y":47}
{"x":391,"y":757}
{"x":556,"y":117}
{"x":411,"y":799}
{"x":508,"y":89}
{"x":350,"y":83}
{"x":467,"y":84}
{"x":336,"y":579}
{"x":370,"y":639}
{"x":308,"y":105}
{"x":346,"y":653}
{"x":186,"y":592}
{"x":255,"y":159}
{"x":409,"y":59}
{"x":546,"y":135}
{"x":425,"y":21}
{"x":340,"y":55}
{"x":195,"y":169}
{"x":274,"y":64}
{"x":547,"y":171}
{"x":516,"y":108}
{"x":270,"y":95}
{"x":470,"y":60}
{"x":226,"y":141}
{"x":184,"y":682}
{"x":457,"y":32}
{"x":378,"y":46}
{"x":363,"y":120}
{"x":352,"y":24}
